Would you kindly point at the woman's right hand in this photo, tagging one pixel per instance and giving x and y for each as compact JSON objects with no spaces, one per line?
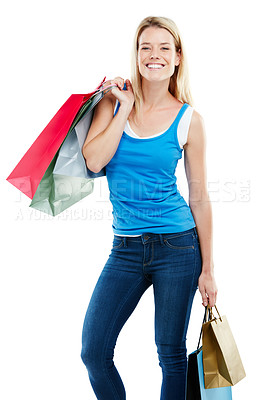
{"x":125,"y":97}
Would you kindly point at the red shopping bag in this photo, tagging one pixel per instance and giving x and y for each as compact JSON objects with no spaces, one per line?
{"x":28,"y":173}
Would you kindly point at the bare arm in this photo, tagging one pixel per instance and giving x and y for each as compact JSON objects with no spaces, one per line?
{"x":200,"y":205}
{"x":105,"y":131}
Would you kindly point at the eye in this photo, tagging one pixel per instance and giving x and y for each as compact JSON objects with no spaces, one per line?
{"x":165,"y":48}
{"x":145,"y":48}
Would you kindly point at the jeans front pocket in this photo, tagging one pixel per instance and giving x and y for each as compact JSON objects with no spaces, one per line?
{"x":117,"y":242}
{"x":179,"y":242}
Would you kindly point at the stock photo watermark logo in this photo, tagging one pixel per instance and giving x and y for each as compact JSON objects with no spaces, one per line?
{"x":100,"y":207}
{"x":230,"y":190}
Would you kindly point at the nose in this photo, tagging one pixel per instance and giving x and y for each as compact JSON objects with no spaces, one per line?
{"x":154,"y":54}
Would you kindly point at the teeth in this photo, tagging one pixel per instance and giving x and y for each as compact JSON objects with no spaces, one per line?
{"x":154,"y":66}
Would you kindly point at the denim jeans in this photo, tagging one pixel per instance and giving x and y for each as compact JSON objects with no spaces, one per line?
{"x":172,"y":264}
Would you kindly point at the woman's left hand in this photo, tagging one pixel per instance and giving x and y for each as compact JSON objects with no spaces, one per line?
{"x":208,"y":288}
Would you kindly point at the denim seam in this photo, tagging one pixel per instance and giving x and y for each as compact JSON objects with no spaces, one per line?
{"x":108,"y":336}
{"x":184,"y":234}
{"x":149,"y":263}
{"x":152,"y":255}
{"x":177,"y":247}
{"x":198,"y":253}
{"x":169,"y":236}
{"x":195,"y":266}
{"x":119,"y":245}
{"x":191,"y":295}
{"x":195,"y":261}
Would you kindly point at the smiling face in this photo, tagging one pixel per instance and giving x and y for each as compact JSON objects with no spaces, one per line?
{"x":157,"y":56}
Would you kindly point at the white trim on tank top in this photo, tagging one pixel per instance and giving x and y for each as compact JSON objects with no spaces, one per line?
{"x":182,"y":129}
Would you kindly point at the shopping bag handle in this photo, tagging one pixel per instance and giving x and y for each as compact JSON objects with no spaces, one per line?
{"x":211,"y":313}
{"x":109,"y":87}
{"x":99,"y":89}
{"x":208,"y":316}
{"x":207,"y":311}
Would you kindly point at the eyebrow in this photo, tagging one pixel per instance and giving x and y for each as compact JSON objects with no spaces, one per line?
{"x":150,"y":43}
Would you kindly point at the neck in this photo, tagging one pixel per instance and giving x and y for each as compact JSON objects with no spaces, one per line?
{"x":155,"y":94}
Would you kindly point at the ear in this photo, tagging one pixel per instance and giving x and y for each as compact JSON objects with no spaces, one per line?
{"x":178,"y":57}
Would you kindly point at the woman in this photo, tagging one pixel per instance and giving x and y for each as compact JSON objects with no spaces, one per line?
{"x":158,"y":239}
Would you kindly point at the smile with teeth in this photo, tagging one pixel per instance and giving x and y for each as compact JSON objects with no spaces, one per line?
{"x":154,"y":66}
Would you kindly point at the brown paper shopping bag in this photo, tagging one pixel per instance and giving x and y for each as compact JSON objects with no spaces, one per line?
{"x":221,"y":360}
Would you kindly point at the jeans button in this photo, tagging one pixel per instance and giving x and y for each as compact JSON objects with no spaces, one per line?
{"x":146,"y":237}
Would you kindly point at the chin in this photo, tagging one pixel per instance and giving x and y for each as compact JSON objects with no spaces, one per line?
{"x":155,"y":78}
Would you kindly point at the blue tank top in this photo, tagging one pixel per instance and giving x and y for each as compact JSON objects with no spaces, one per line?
{"x":142,"y":184}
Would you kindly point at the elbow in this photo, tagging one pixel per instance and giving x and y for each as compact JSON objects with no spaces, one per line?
{"x":198,"y":196}
{"x":90,"y":165}
{"x":199,"y":202}
{"x":94,"y":169}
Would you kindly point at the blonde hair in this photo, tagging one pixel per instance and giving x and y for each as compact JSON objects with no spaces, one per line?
{"x":179,"y":81}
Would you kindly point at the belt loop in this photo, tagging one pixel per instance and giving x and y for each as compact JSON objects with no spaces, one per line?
{"x":161,"y":239}
{"x":125,"y":241}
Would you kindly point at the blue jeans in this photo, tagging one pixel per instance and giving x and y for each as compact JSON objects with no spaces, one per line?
{"x":172,"y":264}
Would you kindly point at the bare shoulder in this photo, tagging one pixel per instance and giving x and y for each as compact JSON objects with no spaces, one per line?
{"x":197,"y":120}
{"x":196,"y":132}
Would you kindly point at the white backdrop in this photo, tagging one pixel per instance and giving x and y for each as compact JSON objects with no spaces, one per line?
{"x":49,"y":265}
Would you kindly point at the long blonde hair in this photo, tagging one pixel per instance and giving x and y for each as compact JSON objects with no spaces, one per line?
{"x":179,"y":81}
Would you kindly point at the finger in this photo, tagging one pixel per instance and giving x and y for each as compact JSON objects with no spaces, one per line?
{"x":114,"y":84}
{"x":118,"y":78}
{"x":212,"y":298}
{"x":120,"y":82}
{"x":114,"y":88}
{"x":211,"y":302}
{"x":129,"y":86}
{"x":204,"y":298}
{"x":109,"y":82}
